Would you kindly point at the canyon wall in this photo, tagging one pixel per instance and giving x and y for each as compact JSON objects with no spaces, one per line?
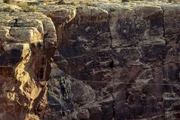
{"x":27,"y":41}
{"x":104,"y":61}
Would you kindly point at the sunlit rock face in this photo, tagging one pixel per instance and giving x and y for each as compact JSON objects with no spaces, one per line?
{"x":99,"y":61}
{"x":24,"y":40}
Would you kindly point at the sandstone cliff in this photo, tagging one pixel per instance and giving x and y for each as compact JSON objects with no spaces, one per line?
{"x":99,"y":61}
{"x":24,"y":41}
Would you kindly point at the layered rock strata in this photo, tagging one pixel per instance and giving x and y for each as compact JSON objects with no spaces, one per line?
{"x":113,"y":61}
{"x":25,"y":40}
{"x":124,"y":54}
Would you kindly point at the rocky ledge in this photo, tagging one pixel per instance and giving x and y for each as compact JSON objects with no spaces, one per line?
{"x":99,"y":61}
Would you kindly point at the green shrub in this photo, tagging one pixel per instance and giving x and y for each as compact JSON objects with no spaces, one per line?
{"x":89,"y":3}
{"x":125,"y":0}
{"x":8,"y":1}
{"x":23,"y":5}
{"x":9,"y":9}
{"x":27,"y":8}
{"x":32,"y":8}
{"x":61,"y":2}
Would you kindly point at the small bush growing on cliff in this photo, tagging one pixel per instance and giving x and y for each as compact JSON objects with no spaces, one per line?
{"x":23,"y":5}
{"x":169,"y":0}
{"x":8,"y":1}
{"x":26,"y":8}
{"x":61,"y":2}
{"x":89,"y":3}
{"x":125,"y":0}
{"x":32,"y":8}
{"x":9,"y":9}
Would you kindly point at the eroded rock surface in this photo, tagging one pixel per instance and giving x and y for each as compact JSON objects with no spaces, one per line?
{"x":24,"y":40}
{"x":113,"y":61}
{"x":139,"y":43}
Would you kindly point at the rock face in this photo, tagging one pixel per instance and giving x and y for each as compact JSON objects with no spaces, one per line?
{"x":24,"y":40}
{"x":113,"y":61}
{"x":128,"y":55}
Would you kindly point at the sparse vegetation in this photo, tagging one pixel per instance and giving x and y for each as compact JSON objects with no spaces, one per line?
{"x":9,"y":9}
{"x":61,"y":2}
{"x":125,"y":0}
{"x":26,"y":8}
{"x":8,"y":1}
{"x":32,"y":8}
{"x":89,"y":3}
{"x":23,"y":5}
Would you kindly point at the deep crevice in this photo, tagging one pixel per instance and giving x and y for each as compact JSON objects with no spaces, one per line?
{"x":111,"y":66}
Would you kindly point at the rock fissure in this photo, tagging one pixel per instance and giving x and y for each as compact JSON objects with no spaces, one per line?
{"x":164,"y":32}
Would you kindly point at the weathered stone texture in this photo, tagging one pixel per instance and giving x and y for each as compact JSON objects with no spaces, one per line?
{"x":113,"y":60}
{"x":137,"y":40}
{"x":22,"y":84}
